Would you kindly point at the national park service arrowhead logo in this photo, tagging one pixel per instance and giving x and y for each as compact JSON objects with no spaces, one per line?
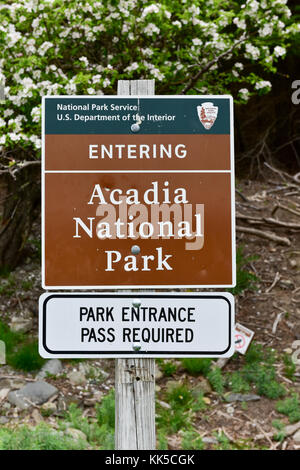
{"x":207,"y":114}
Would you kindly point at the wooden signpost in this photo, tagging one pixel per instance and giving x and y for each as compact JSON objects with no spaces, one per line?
{"x":138,"y":192}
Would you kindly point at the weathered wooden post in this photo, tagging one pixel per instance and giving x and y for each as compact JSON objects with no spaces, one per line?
{"x":135,"y":378}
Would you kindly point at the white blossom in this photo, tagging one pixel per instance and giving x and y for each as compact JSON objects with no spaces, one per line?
{"x":177,"y":23}
{"x":240,"y":23}
{"x":263,"y":84}
{"x":84,"y":60}
{"x":266,"y":30}
{"x":197,"y":42}
{"x":244,"y":94}
{"x":252,"y":51}
{"x":150,"y":9}
{"x":132,"y":67}
{"x":36,"y":114}
{"x":279,"y":51}
{"x":106,"y":83}
{"x":151,"y":29}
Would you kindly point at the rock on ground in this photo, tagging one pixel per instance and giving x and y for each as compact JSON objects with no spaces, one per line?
{"x":35,"y":393}
{"x":53,"y":367}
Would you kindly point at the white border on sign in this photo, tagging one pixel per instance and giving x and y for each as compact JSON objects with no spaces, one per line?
{"x":231,"y":171}
{"x":45,"y":354}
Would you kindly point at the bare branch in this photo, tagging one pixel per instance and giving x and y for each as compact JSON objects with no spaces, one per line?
{"x":196,"y":77}
{"x":267,"y":235}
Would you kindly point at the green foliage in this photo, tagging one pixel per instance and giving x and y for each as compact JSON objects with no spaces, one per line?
{"x":197,"y":366}
{"x":179,"y":396}
{"x":168,"y":367}
{"x":42,"y":437}
{"x":259,"y":371}
{"x":191,"y":441}
{"x":290,"y":407}
{"x":100,"y":431}
{"x":216,"y":380}
{"x":10,"y":338}
{"x":205,"y":367}
{"x":245,"y":279}
{"x":264,"y":378}
{"x":255,"y":353}
{"x":8,"y":285}
{"x":21,"y":353}
{"x":237,"y":383}
{"x":171,"y":421}
{"x":162,"y":440}
{"x":199,"y":403}
{"x":223,"y":442}
{"x":280,"y":426}
{"x":27,"y":357}
{"x":85,"y":47}
{"x":179,"y":416}
{"x":4,"y":270}
{"x":106,"y":410}
{"x":27,"y":285}
{"x":289,"y":367}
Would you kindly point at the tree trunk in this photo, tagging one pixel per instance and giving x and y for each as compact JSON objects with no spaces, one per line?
{"x":19,"y":197}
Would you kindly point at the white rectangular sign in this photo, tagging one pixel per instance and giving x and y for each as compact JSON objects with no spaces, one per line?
{"x":127,"y":325}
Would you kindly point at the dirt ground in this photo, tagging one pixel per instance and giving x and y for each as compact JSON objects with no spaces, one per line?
{"x":271,"y":207}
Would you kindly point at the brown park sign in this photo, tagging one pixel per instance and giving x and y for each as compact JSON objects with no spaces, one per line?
{"x":138,"y":192}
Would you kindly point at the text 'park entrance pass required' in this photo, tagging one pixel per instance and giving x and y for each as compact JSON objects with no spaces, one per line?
{"x":120,"y":325}
{"x":137,"y":192}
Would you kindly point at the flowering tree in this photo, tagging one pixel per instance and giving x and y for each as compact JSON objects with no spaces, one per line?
{"x":53,"y":47}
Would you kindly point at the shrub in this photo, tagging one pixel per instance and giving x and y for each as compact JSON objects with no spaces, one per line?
{"x":42,"y":437}
{"x":21,"y":353}
{"x":197,"y":366}
{"x":69,"y":47}
{"x":27,"y":357}
{"x":290,"y":407}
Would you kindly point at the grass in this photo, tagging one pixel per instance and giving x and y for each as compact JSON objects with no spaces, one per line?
{"x":27,"y":357}
{"x":289,"y":367}
{"x":191,"y":441}
{"x":216,"y":380}
{"x":179,"y":415}
{"x":21,"y":352}
{"x":42,"y":437}
{"x":197,"y":366}
{"x":245,"y":279}
{"x":167,"y":367}
{"x":27,"y":285}
{"x":237,"y":383}
{"x":100,"y":431}
{"x":290,"y":407}
{"x":258,"y":371}
{"x":280,"y":426}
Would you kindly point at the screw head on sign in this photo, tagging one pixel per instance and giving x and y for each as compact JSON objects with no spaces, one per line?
{"x":136,"y":346}
{"x":135,"y":249}
{"x":135,"y":127}
{"x":136,"y":302}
